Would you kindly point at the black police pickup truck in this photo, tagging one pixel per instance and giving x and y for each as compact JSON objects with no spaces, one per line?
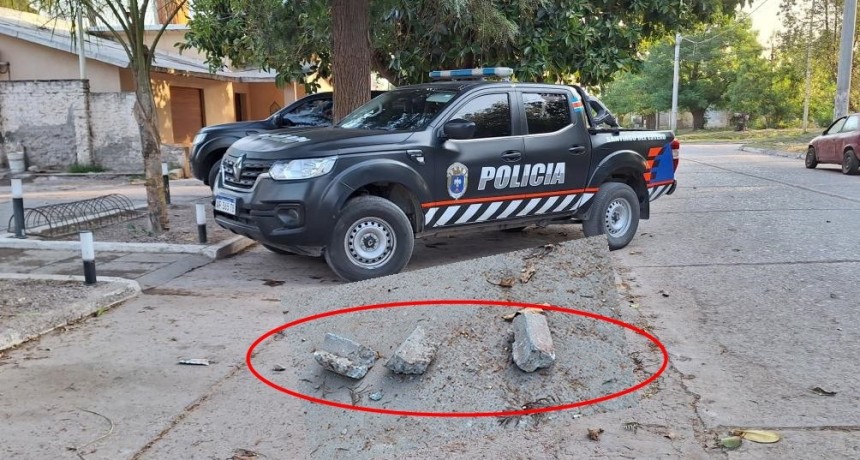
{"x":442,"y":157}
{"x":212,"y":142}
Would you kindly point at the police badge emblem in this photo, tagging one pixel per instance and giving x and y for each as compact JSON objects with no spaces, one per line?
{"x":458,"y":180}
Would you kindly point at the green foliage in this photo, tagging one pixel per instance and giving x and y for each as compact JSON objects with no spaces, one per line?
{"x":84,"y":169}
{"x":553,"y":40}
{"x":721,"y":67}
{"x":20,"y":5}
{"x":822,"y":38}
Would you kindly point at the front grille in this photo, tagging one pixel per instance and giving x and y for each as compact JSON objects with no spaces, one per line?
{"x":250,"y":170}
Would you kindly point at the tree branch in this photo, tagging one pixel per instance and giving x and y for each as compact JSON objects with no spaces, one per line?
{"x":112,"y":30}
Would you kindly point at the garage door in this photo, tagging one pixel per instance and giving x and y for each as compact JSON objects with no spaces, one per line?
{"x":186,"y":108}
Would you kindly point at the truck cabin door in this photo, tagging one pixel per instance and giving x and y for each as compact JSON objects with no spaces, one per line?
{"x":558,"y":148}
{"x":473,"y":174}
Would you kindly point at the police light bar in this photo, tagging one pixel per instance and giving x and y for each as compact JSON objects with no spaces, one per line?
{"x":502,"y":72}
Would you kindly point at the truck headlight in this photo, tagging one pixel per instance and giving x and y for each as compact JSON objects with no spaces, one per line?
{"x":301,"y":169}
{"x":200,"y":137}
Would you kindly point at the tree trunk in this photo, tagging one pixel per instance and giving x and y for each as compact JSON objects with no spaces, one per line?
{"x":350,"y":55}
{"x":651,"y":121}
{"x":150,"y":142}
{"x":379,"y":65}
{"x":698,"y":118}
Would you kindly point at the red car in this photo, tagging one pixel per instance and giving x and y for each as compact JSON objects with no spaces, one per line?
{"x":839,"y":144}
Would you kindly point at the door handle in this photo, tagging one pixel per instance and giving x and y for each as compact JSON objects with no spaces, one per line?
{"x":416,"y":156}
{"x":512,"y":156}
{"x":577,"y":149}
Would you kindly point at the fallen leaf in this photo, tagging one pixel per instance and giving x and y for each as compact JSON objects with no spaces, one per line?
{"x":634,"y":305}
{"x":594,"y":433}
{"x":527,"y":272}
{"x":760,"y":436}
{"x":822,"y":392}
{"x":278,"y":368}
{"x":670,"y":435}
{"x":268,"y":282}
{"x":507,"y":282}
{"x":663,"y":293}
{"x":731,"y":442}
{"x":244,"y":454}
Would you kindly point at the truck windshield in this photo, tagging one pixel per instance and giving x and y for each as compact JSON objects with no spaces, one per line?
{"x":399,"y":110}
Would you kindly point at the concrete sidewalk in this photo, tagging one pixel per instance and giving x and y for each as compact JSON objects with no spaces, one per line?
{"x":148,"y":263}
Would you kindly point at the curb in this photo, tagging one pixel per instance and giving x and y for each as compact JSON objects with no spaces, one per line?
{"x":220,"y":250}
{"x":775,"y":153}
{"x":116,"y":292}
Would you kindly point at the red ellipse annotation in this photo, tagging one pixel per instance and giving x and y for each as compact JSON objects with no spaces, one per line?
{"x":466,"y":303}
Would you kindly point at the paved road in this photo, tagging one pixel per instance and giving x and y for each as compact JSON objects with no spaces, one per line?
{"x":760,"y":258}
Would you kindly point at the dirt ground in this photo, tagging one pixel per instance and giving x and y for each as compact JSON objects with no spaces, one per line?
{"x":33,"y":296}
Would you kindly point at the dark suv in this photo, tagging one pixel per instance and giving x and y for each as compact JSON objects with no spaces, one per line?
{"x":212,"y":141}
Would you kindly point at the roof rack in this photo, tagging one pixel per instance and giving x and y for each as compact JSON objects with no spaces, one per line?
{"x":479,"y":73}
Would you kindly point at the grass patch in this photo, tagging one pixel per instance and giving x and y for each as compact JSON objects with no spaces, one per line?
{"x":786,"y":140}
{"x":84,"y":169}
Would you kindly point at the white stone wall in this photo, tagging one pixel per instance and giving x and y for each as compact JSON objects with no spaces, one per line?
{"x":49,"y":118}
{"x":60,"y":123}
{"x":116,"y":134}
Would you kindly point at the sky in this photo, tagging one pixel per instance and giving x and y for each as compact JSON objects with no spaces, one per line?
{"x":765,"y":18}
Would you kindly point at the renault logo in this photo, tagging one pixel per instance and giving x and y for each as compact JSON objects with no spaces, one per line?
{"x":238,"y":165}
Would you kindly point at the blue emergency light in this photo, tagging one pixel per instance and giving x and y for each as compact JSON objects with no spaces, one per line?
{"x":501,"y":72}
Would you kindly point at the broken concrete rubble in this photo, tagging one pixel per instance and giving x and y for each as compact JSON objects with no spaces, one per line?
{"x":533,"y":348}
{"x":345,"y":357}
{"x":413,"y":355}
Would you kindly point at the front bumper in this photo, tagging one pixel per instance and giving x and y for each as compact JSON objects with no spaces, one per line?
{"x":279,"y":213}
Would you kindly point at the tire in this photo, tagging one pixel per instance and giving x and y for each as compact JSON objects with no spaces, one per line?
{"x":379,"y":223}
{"x":213,"y":173}
{"x":614,"y":213}
{"x":850,"y":164}
{"x":811,"y":161}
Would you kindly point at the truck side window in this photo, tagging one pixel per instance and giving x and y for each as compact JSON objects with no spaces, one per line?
{"x":491,"y":114}
{"x":546,"y":112}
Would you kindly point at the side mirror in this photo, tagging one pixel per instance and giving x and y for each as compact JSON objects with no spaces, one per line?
{"x":459,"y":129}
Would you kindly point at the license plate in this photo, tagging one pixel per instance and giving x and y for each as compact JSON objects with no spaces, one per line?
{"x":225,"y":204}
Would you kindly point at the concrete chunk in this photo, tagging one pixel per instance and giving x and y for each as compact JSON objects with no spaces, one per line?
{"x":340,"y":365}
{"x":345,"y":357}
{"x":350,"y":349}
{"x":413,"y":355}
{"x":533,"y":348}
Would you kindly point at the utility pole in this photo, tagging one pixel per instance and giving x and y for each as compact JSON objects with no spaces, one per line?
{"x":846,"y":54}
{"x":82,"y":58}
{"x":808,"y":71}
{"x":676,"y":78}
